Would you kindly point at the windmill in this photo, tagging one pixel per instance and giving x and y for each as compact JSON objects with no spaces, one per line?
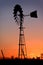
{"x":19,"y":17}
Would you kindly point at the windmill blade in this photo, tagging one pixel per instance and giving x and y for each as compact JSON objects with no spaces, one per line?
{"x":34,"y":14}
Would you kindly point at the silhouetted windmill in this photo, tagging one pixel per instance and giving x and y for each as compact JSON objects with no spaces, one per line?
{"x":19,"y":17}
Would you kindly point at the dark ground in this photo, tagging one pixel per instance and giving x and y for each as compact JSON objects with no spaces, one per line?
{"x":21,"y":61}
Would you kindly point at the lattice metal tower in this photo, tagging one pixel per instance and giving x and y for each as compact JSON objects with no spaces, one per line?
{"x":22,"y":46}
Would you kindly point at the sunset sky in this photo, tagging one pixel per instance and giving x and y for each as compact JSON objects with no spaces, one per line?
{"x":9,"y":30}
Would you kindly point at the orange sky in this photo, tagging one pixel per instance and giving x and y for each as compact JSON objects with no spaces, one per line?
{"x":33,"y":39}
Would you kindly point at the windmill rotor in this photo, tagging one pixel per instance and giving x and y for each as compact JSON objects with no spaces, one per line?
{"x":17,"y":9}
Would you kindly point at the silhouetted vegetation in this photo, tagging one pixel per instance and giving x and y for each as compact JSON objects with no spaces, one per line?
{"x":20,"y":61}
